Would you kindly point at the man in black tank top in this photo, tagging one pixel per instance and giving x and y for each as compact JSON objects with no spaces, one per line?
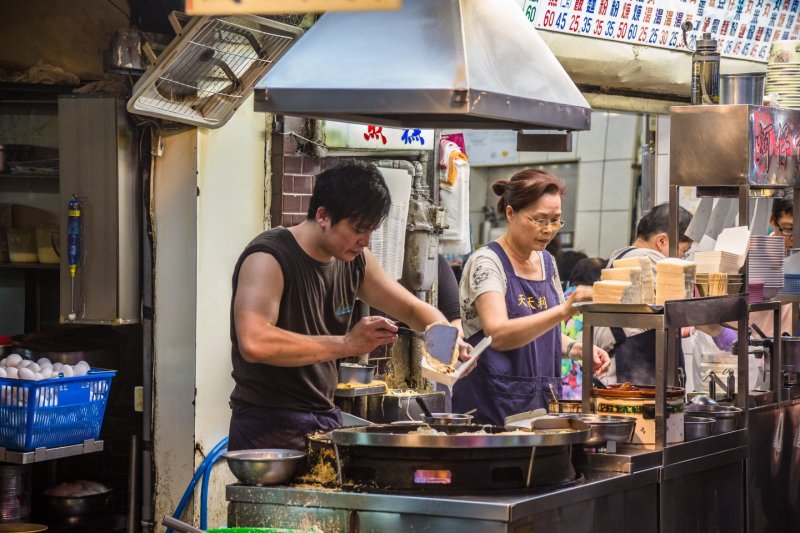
{"x":294,"y":291}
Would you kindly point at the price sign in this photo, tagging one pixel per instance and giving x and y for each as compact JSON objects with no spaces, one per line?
{"x":744,"y":29}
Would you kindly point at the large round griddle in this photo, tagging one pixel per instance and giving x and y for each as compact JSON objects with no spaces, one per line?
{"x":570,"y":431}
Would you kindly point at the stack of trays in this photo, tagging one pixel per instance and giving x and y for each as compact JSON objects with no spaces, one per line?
{"x":734,"y":284}
{"x":783,"y":73}
{"x":766,"y":263}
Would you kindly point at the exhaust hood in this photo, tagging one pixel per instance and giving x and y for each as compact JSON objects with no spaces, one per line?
{"x":474,"y":64}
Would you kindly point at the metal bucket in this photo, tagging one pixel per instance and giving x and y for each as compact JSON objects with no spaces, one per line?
{"x":742,"y":88}
{"x":16,"y":492}
{"x":790,"y":350}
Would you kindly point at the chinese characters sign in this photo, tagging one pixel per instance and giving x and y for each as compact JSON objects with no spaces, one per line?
{"x":371,"y":136}
{"x":743,"y":29}
{"x":776,"y":146}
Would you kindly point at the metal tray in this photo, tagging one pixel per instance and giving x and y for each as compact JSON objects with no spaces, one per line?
{"x":619,"y":308}
{"x":572,"y":431}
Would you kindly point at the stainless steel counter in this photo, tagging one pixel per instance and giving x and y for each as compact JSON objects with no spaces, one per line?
{"x":600,"y":502}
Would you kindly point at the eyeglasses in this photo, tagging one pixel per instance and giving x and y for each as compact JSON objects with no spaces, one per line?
{"x":542,"y":223}
{"x":786,"y":232}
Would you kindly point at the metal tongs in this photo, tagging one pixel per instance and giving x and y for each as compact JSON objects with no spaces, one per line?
{"x":440,"y":340}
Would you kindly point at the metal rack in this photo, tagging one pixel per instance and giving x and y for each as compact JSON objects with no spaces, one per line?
{"x":47,"y":454}
{"x":667,"y":322}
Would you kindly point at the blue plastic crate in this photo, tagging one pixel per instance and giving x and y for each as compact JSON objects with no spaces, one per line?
{"x":791,"y":284}
{"x":52,"y":412}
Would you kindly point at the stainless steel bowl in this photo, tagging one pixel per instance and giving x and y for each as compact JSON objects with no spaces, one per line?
{"x":606,"y":428}
{"x":264,"y":467}
{"x":725,"y":417}
{"x":448,"y":419}
{"x":65,"y":506}
{"x":353,"y":374}
{"x":697,"y":427}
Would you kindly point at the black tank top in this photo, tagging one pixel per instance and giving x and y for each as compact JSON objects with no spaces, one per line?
{"x":318,"y":299}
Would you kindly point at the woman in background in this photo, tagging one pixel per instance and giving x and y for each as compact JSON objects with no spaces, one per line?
{"x":585,"y":272}
{"x":510,"y":290}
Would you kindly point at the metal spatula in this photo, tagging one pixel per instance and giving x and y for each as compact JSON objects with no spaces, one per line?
{"x":440,"y":340}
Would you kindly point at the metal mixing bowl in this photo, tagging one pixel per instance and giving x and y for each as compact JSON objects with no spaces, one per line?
{"x":65,"y":506}
{"x":608,"y":428}
{"x":264,"y":467}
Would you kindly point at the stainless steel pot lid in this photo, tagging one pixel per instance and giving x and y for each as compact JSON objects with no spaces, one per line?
{"x":414,"y":435}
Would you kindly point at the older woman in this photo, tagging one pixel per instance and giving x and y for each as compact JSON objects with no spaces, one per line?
{"x":510,"y":291}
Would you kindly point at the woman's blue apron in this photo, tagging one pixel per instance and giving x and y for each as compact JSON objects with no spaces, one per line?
{"x":514,"y":381}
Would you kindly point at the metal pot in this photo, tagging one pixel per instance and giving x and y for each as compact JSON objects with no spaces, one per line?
{"x":606,"y":428}
{"x":353,"y":374}
{"x":697,"y":427}
{"x":725,"y":417}
{"x":790,"y":350}
{"x":264,"y":467}
{"x":745,"y":88}
{"x":76,"y":506}
{"x":564,"y":406}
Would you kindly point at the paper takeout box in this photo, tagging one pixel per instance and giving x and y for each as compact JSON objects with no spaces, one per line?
{"x":461,"y":367}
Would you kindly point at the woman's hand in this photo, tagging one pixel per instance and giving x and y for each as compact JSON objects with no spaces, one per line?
{"x":582,"y":293}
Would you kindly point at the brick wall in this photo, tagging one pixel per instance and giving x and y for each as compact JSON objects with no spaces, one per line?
{"x":293,"y":171}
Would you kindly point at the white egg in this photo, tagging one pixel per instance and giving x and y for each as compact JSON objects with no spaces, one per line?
{"x":3,"y":361}
{"x":83,"y":363}
{"x":3,"y":372}
{"x":34,"y":367}
{"x":43,"y":360}
{"x":47,"y":373}
{"x":67,"y":371}
{"x":13,"y":359}
{"x":80,"y":370}
{"x":57,"y":366}
{"x":38,"y":376}
{"x":25,"y":363}
{"x":12,"y":372}
{"x":26,"y":373}
{"x":46,"y":365}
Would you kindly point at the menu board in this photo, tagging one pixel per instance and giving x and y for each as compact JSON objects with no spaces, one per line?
{"x":744,"y":29}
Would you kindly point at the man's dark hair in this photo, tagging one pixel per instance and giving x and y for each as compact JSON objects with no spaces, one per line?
{"x":355,"y":191}
{"x":567,"y":261}
{"x":783,"y":206}
{"x":657,"y":221}
{"x":586,"y":271}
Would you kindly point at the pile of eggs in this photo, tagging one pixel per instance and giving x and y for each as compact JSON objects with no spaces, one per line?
{"x":16,"y":367}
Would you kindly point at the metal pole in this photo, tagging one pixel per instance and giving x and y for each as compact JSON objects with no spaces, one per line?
{"x":674,"y":205}
{"x":661,"y":389}
{"x":132,"y":525}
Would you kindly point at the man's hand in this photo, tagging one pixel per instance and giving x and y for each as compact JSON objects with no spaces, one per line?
{"x":599,"y":357}
{"x":369,"y":333}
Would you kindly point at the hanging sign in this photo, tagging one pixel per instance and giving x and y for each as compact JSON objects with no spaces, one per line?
{"x":279,"y":7}
{"x":370,"y":136}
{"x":744,"y":29}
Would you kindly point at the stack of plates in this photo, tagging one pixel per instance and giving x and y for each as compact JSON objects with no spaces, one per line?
{"x":783,"y":73}
{"x":766,"y":262}
{"x":717,"y":261}
{"x":755,"y":292}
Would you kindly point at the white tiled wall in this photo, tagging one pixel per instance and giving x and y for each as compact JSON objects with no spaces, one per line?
{"x":605,"y":181}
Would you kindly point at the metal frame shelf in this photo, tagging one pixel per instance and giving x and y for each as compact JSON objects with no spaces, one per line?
{"x":48,"y":454}
{"x":667,"y":323}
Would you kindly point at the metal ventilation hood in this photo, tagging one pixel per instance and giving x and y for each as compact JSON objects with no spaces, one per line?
{"x":474,"y":64}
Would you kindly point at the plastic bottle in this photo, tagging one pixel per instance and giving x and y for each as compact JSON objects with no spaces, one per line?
{"x":705,"y":71}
